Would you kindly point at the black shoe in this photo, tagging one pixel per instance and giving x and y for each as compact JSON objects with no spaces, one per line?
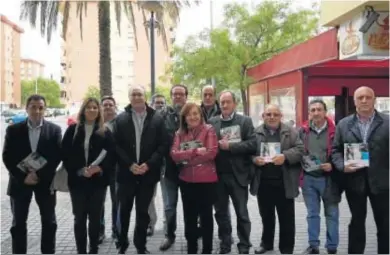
{"x":332,"y":251}
{"x":93,"y":251}
{"x":311,"y":250}
{"x":261,"y":250}
{"x":166,"y":244}
{"x":243,"y":252}
{"x":143,"y":251}
{"x":225,"y":250}
{"x":150,"y":231}
{"x":121,"y":251}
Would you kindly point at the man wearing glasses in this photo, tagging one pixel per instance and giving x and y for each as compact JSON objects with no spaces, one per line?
{"x":43,"y":139}
{"x":278,"y":152}
{"x":170,"y":177}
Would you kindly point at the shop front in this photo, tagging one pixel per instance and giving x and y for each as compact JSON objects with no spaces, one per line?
{"x":313,"y":70}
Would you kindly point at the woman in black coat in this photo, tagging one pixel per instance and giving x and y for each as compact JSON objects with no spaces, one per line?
{"x":88,"y":152}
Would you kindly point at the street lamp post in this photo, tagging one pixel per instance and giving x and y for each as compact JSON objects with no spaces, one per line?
{"x":152,"y":24}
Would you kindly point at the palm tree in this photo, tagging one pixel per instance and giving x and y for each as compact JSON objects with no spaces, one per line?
{"x":48,"y":12}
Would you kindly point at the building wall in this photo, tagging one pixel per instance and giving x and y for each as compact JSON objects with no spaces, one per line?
{"x":130,"y":61}
{"x":334,"y":13}
{"x":31,"y":69}
{"x":10,"y":92}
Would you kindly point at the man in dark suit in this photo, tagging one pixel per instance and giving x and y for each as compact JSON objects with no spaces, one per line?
{"x":141,"y":141}
{"x":42,"y":137}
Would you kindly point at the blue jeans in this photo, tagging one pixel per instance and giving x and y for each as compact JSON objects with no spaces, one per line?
{"x":169,"y":190}
{"x":313,"y":191}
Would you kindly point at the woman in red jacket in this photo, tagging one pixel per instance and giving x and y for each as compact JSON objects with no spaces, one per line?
{"x":194,"y":149}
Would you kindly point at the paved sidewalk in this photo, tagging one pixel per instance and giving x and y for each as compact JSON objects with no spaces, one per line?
{"x":66,"y":243}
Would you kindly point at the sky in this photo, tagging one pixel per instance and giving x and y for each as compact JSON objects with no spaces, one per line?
{"x":190,"y":23}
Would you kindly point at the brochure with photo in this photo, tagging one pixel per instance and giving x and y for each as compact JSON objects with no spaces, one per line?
{"x":310,"y":163}
{"x":190,"y":145}
{"x":356,"y":154}
{"x":33,"y":161}
{"x":232,"y":134}
{"x":269,"y":150}
{"x":97,"y":161}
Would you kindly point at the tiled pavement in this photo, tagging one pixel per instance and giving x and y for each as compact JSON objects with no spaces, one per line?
{"x":66,"y":244}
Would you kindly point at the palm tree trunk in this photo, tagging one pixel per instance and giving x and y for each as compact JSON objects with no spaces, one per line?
{"x":104,"y":49}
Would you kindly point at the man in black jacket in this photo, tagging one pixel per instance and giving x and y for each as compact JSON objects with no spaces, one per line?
{"x":109,"y":114}
{"x":35,"y":135}
{"x":278,"y":155}
{"x":170,"y":177}
{"x":209,"y":106}
{"x":141,"y":141}
{"x":368,"y":132}
{"x":234,"y":172}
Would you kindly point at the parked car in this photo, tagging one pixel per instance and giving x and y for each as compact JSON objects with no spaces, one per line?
{"x":18,"y":117}
{"x":8,"y":113}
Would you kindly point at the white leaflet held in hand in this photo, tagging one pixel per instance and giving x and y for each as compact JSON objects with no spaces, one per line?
{"x":100,"y":158}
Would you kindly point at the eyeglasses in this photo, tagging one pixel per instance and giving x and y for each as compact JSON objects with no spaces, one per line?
{"x":178,"y":94}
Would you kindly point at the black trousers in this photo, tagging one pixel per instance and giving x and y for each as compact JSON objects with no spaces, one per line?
{"x":20,"y":205}
{"x":198,"y":200}
{"x":87,"y":203}
{"x":228,"y":186}
{"x":114,"y":210}
{"x":142,"y":193}
{"x":357,"y":227}
{"x":272,"y":196}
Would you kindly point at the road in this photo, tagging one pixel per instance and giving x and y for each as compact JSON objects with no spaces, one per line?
{"x":65,"y":237}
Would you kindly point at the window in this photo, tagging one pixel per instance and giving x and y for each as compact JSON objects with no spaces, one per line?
{"x":285,"y":98}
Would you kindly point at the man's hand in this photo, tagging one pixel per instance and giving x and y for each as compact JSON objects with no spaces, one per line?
{"x":259,"y":161}
{"x":224,"y":144}
{"x":135,"y":169}
{"x":278,"y":160}
{"x":31,"y":178}
{"x":94,"y":169}
{"x":350,"y":168}
{"x":201,"y":151}
{"x":144,"y":168}
{"x":327,"y":167}
{"x":86,"y":173}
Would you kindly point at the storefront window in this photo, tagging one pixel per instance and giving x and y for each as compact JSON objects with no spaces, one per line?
{"x":257,"y":103}
{"x":330,"y":105}
{"x":382,"y":104}
{"x":285,"y":98}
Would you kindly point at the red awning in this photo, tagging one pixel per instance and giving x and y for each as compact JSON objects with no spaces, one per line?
{"x":355,"y":63}
{"x":319,"y":49}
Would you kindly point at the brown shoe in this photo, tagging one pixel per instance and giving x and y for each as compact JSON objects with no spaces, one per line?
{"x":166,"y":244}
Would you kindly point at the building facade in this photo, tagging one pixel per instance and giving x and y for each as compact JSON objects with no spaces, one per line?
{"x":31,"y":69}
{"x":10,"y":87}
{"x":130,"y":58}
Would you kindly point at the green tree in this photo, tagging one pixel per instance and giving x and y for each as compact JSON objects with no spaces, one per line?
{"x":246,"y":38}
{"x":92,"y":91}
{"x":48,"y":13}
{"x":50,"y":89}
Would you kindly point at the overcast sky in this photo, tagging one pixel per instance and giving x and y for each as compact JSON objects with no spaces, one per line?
{"x":192,"y":21}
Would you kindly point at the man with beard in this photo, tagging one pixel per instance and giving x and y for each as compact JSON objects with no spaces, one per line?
{"x":170,"y":177}
{"x":109,"y":114}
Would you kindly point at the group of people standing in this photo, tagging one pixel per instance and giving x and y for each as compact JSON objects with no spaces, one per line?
{"x":212,"y":155}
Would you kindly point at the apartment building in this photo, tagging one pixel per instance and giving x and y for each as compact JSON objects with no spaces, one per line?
{"x":130,"y":60}
{"x":10,"y":88}
{"x":31,"y":69}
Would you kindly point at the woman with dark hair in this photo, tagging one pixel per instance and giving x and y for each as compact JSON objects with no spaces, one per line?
{"x":197,"y":175}
{"x":88,"y":151}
